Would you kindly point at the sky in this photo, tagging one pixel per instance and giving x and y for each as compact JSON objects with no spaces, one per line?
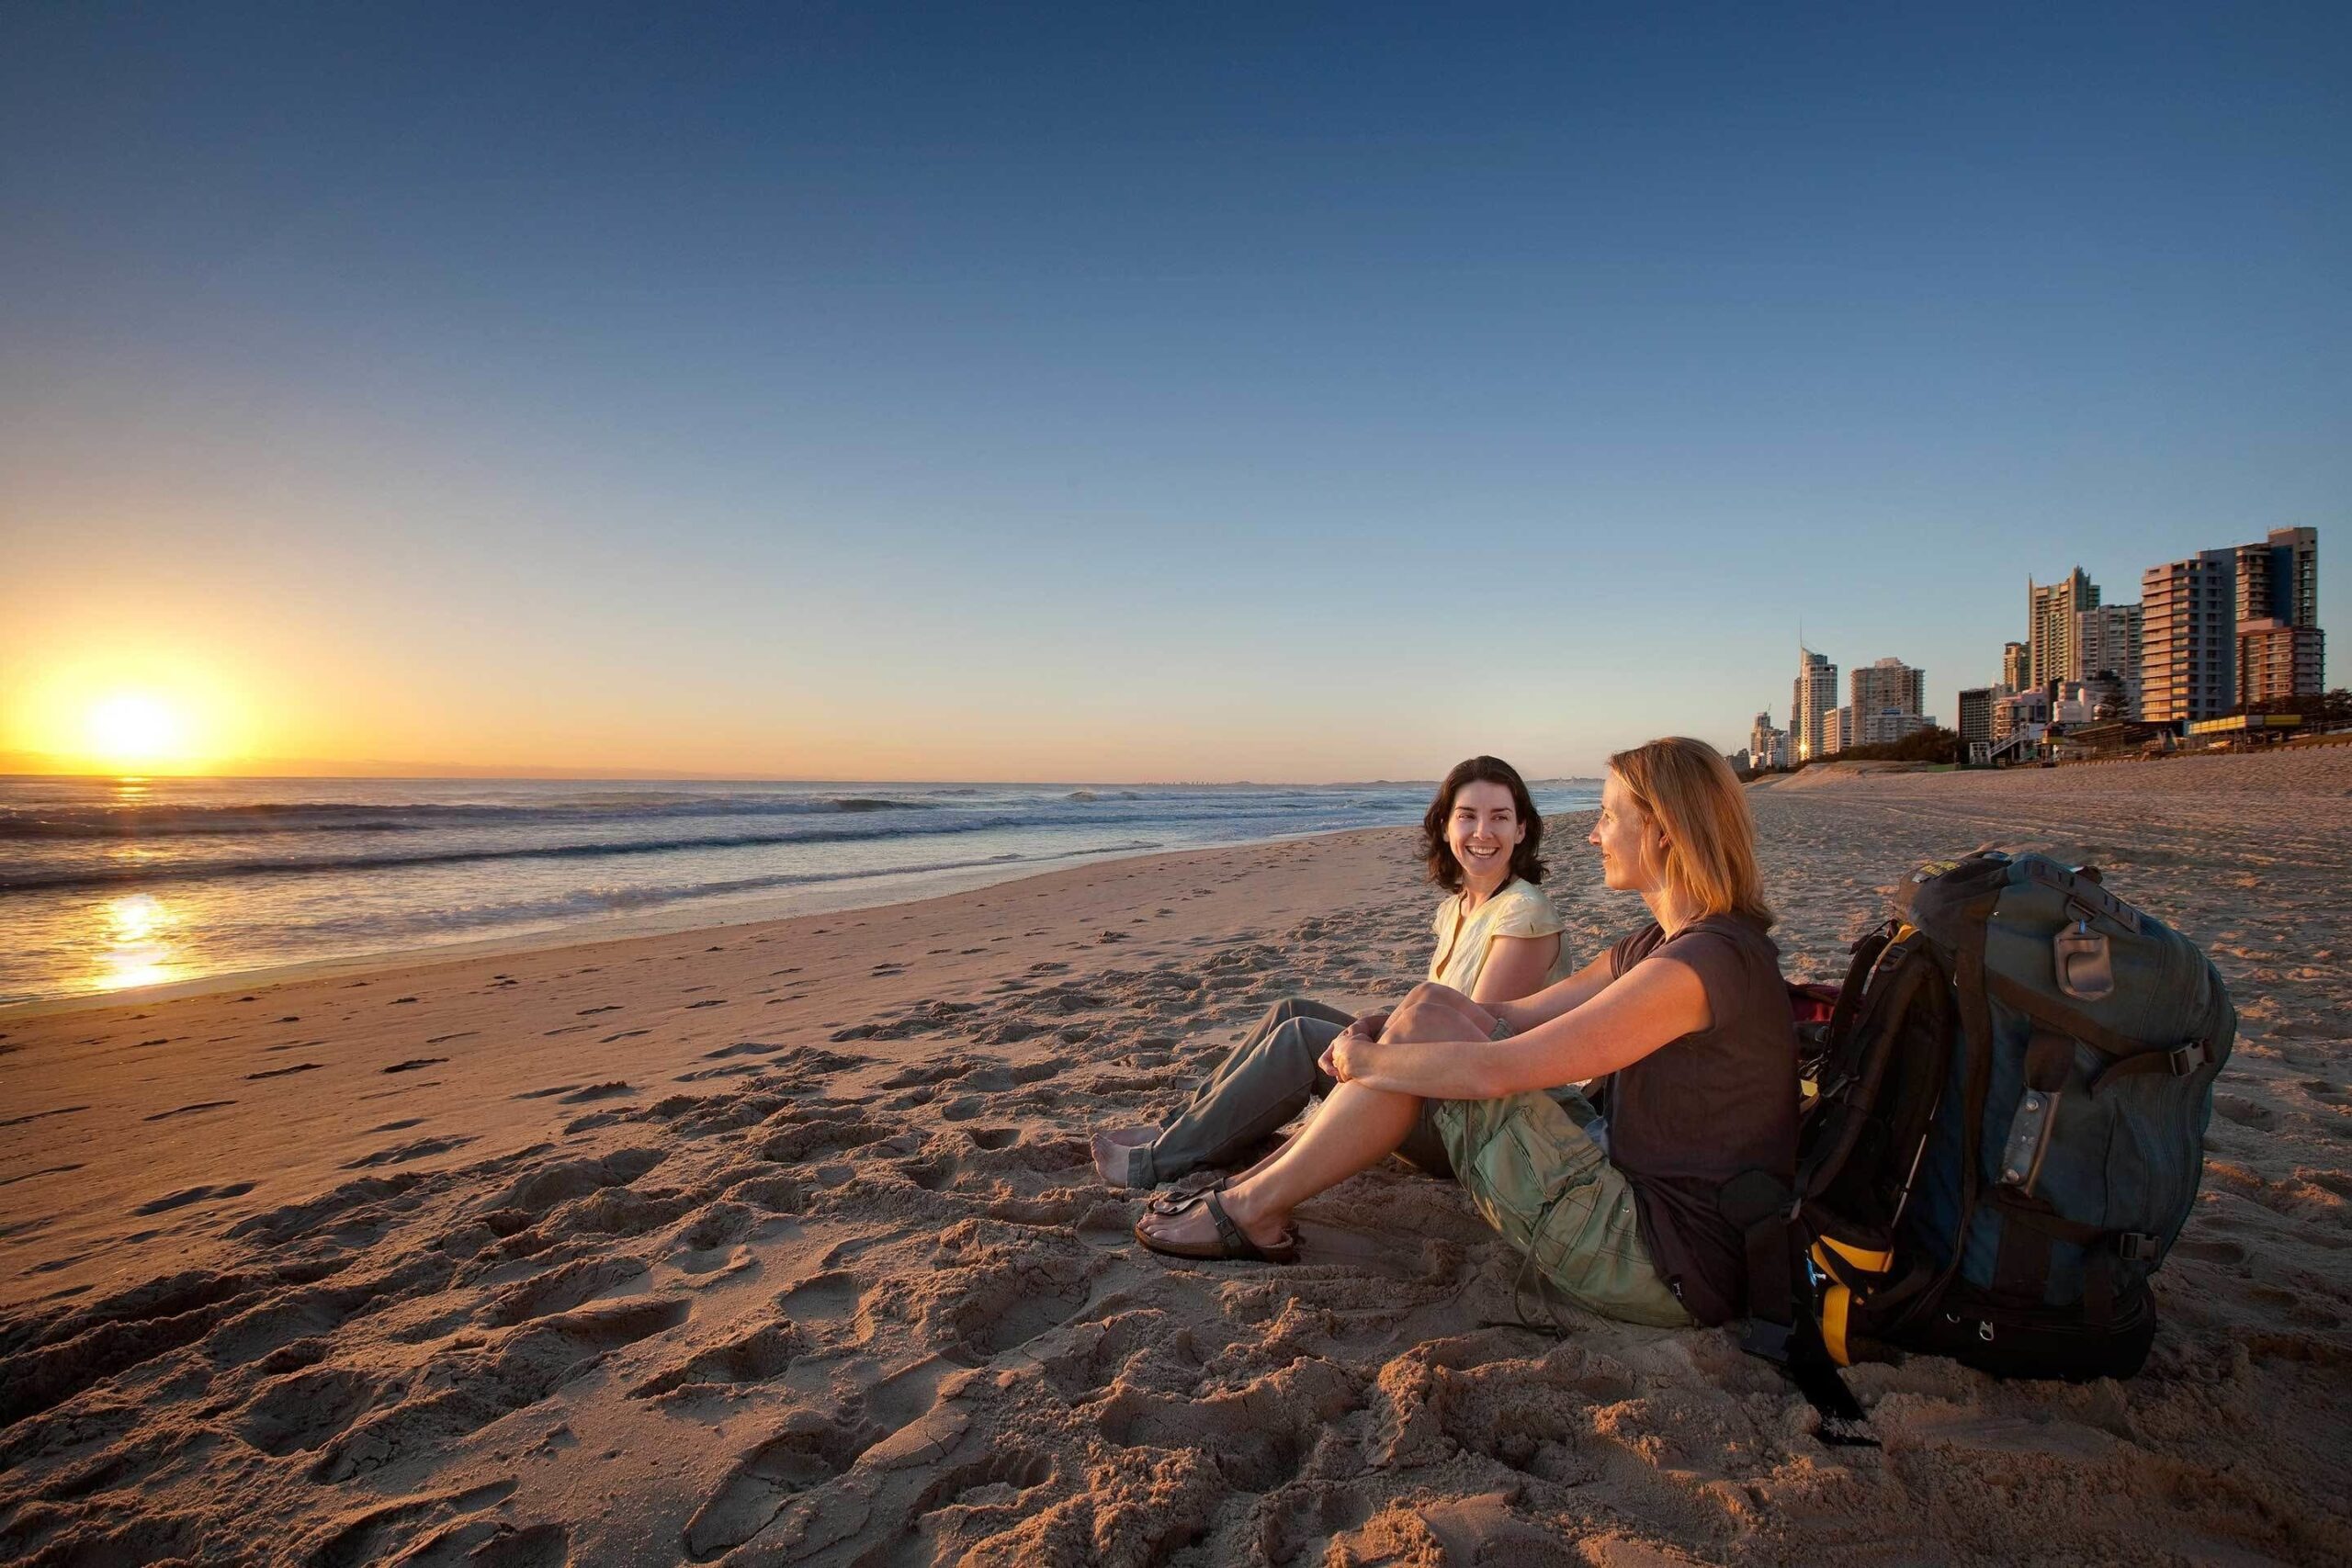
{"x":1125,"y":393}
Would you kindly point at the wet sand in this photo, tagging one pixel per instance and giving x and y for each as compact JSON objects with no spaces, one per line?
{"x":781,"y":1244}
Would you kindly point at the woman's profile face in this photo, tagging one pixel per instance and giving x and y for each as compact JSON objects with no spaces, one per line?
{"x":1622,"y":831}
{"x":1483,"y":828}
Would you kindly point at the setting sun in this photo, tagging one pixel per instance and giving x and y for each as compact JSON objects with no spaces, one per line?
{"x":135,"y":729}
{"x":132,"y":709}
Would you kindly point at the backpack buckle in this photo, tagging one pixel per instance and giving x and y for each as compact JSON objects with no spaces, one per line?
{"x":2082,"y":958}
{"x":2188,"y":1058}
{"x":2137,"y":1247}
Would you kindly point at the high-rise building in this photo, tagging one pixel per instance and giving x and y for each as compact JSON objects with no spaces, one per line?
{"x":1888,"y":684}
{"x":2188,"y":637}
{"x":2052,"y":653}
{"x":1887,"y":725}
{"x":2276,"y":660}
{"x":1975,"y":716}
{"x":2107,"y":641}
{"x":1885,"y":698}
{"x":1814,"y":696}
{"x":1766,"y":747}
{"x":1836,"y":732}
{"x":2016,"y":669}
{"x":2278,"y":578}
{"x":2281,"y":651}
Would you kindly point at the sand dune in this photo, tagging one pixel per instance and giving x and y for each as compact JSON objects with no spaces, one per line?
{"x":780,"y":1243}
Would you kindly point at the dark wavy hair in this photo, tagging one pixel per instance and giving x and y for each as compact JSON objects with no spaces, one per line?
{"x":1445,"y":870}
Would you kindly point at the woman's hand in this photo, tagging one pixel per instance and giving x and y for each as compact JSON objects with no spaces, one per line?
{"x":1342,"y":1058}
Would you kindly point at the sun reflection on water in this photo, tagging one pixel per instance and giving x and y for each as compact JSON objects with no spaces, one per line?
{"x":134,"y":942}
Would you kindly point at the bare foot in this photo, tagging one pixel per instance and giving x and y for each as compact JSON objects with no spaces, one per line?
{"x":1113,"y":1148}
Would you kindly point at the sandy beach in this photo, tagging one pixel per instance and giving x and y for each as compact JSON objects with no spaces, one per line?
{"x":780,"y":1243}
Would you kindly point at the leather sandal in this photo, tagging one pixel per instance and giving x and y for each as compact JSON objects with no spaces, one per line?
{"x":1232,"y":1243}
{"x":1184,"y":1194}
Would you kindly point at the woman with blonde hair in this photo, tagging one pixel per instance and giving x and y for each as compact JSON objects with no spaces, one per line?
{"x":1686,"y":1025}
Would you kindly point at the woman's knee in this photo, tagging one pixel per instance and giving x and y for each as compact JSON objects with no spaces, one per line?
{"x":1440,"y":1015}
{"x":1284,"y":1011}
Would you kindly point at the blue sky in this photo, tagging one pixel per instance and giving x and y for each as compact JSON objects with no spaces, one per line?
{"x":1134,"y":392}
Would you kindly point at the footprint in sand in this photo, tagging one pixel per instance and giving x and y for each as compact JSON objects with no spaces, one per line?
{"x":702,"y":1075}
{"x":2213,"y":1249}
{"x":186,"y":1109}
{"x":36,"y":1116}
{"x":807,"y":1451}
{"x":285,"y":1072}
{"x":403,"y":1154}
{"x":608,"y":1090}
{"x":413,"y":1062}
{"x":297,"y":1413}
{"x":2245,"y":1112}
{"x":511,"y":1373}
{"x":755,"y":1357}
{"x":822,"y":1134}
{"x":188,"y":1195}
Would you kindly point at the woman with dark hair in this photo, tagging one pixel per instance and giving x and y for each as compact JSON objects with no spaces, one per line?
{"x":1498,"y":935}
{"x":1497,"y":938}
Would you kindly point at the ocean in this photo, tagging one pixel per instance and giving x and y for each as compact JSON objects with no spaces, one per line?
{"x":108,"y":885}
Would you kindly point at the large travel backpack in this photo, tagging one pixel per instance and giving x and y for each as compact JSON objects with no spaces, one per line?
{"x":2002,"y":1136}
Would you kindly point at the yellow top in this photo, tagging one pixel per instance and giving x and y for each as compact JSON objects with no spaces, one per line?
{"x":1518,"y":908}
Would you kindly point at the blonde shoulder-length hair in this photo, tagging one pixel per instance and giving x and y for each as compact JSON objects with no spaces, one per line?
{"x":1688,"y":790}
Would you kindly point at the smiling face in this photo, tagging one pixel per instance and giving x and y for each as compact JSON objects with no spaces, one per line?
{"x":1630,"y":842}
{"x":1482,"y":830}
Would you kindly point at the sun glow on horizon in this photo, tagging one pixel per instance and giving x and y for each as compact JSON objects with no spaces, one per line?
{"x":135,"y":729}
{"x":135,"y":713}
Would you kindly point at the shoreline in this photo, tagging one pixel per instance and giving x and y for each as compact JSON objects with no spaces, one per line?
{"x":762,"y":908}
{"x":602,"y":929}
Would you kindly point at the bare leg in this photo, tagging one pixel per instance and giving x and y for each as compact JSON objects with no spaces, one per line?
{"x":1356,"y":1129}
{"x":1429,"y":1012}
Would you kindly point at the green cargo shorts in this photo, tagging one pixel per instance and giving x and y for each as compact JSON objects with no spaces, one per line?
{"x":1531,"y":1171}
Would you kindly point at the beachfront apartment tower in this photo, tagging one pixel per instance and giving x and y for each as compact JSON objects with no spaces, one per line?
{"x":1813,"y":698}
{"x":1888,"y":684}
{"x":2281,"y":651}
{"x":1886,"y":697}
{"x":1766,"y":747}
{"x":1975,"y":716}
{"x":2108,"y":638}
{"x":2277,"y":661}
{"x":1836,"y":732}
{"x":2278,"y":578}
{"x":2189,"y":638}
{"x":2051,"y":651}
{"x":2014,"y":668}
